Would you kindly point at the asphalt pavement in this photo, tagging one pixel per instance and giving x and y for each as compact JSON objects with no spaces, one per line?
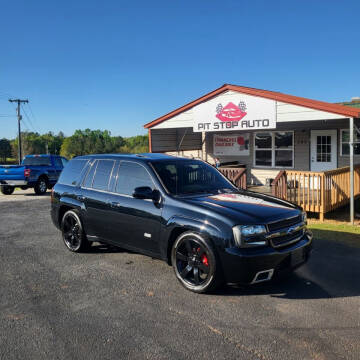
{"x":113,"y":304}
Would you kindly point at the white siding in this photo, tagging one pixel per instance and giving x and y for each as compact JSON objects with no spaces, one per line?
{"x":288,"y":112}
{"x":184,"y":119}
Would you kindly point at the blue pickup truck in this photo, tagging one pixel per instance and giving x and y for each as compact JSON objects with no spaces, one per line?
{"x":40,"y":172}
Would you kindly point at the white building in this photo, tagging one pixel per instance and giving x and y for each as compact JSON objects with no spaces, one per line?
{"x":266,"y":131}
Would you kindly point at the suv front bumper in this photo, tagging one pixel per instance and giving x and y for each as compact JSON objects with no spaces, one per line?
{"x":245,"y":265}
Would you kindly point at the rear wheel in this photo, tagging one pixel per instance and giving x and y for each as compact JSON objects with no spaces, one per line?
{"x":40,"y":186}
{"x":73,"y":232}
{"x":195,"y":263}
{"x":7,"y":190}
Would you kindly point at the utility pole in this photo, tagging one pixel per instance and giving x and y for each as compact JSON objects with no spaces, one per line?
{"x":19,"y":101}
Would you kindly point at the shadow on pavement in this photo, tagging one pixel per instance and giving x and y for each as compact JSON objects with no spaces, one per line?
{"x":333,"y":271}
{"x":106,"y":248}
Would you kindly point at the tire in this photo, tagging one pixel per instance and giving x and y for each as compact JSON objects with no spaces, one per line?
{"x":40,"y":187}
{"x":196,"y":264}
{"x":7,"y":190}
{"x":73,"y":232}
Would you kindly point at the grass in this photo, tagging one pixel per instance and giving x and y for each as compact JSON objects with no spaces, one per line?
{"x":10,"y":161}
{"x":344,"y":233}
{"x":347,"y":228}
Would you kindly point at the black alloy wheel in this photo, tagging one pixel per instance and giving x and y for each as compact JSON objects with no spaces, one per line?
{"x":195,"y":264}
{"x":7,"y":190}
{"x":40,"y":186}
{"x":73,"y":233}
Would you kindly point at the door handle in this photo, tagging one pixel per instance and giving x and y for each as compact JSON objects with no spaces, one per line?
{"x":115,"y":204}
{"x":81,"y":198}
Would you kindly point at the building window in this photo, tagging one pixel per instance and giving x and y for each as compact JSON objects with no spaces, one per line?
{"x":274,"y":149}
{"x":344,"y":143}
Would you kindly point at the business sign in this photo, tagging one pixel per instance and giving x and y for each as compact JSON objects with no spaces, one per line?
{"x":235,"y":112}
{"x":231,"y":145}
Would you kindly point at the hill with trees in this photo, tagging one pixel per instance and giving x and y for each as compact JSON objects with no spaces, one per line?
{"x":82,"y":142}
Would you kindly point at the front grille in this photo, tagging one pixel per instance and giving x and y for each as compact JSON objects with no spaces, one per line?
{"x":284,"y":223}
{"x":284,"y":240}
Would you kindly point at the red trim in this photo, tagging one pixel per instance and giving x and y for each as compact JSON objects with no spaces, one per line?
{"x":150,"y":144}
{"x":295,"y":100}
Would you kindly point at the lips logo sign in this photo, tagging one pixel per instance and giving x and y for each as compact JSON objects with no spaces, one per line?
{"x":235,"y":112}
{"x":231,"y":112}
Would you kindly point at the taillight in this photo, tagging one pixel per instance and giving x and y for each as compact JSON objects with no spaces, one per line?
{"x":27,"y":172}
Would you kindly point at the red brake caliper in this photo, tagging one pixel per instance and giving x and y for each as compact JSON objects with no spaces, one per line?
{"x":204,"y":258}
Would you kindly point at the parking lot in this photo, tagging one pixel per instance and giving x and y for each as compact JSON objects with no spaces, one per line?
{"x":113,"y":304}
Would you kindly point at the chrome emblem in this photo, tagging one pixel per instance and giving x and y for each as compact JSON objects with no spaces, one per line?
{"x":291,"y":229}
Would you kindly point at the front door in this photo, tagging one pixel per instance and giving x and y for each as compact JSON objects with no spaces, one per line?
{"x":323,"y":150}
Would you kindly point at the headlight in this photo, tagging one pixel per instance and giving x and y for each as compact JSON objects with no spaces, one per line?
{"x":304,"y":217}
{"x":249,"y":235}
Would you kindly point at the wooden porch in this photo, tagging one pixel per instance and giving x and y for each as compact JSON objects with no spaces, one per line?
{"x":318,"y":192}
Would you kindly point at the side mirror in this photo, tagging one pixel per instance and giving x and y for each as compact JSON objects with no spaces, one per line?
{"x":144,"y":192}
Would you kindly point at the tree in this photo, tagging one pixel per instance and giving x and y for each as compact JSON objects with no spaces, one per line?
{"x":135,"y":145}
{"x":5,"y":149}
{"x":82,"y":142}
{"x":88,"y":141}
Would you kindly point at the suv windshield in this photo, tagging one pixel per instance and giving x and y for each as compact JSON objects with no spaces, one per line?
{"x":185,"y":177}
{"x":38,"y":160}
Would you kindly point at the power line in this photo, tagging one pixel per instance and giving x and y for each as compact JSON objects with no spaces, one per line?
{"x":27,"y":116}
{"x":32,"y":114}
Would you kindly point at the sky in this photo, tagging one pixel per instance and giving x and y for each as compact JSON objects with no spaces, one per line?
{"x":117,"y":65}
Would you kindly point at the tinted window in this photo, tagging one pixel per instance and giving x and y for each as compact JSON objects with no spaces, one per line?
{"x":131,"y":176}
{"x":58,"y":162}
{"x":90,"y":176}
{"x":38,"y":160}
{"x":72,"y":172}
{"x":102,"y":174}
{"x":190,"y":177}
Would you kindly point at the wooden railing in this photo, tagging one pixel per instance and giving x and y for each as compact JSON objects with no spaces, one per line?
{"x":318,"y":192}
{"x":235,"y":175}
{"x":279,"y":185}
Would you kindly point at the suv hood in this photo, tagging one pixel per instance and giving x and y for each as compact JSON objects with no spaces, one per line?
{"x":247,"y":207}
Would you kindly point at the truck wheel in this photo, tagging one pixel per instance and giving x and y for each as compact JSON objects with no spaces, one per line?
{"x":195,"y":263}
{"x":73,"y":232}
{"x":40,"y":186}
{"x":7,"y":190}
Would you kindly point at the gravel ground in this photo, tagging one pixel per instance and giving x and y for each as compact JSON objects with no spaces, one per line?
{"x":113,"y":304}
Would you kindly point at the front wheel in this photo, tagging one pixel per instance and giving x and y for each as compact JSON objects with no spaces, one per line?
{"x":40,"y":186}
{"x":195,"y":263}
{"x":73,"y":232}
{"x":7,"y":190}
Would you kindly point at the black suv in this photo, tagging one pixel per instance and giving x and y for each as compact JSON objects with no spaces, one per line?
{"x":182,"y":211}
